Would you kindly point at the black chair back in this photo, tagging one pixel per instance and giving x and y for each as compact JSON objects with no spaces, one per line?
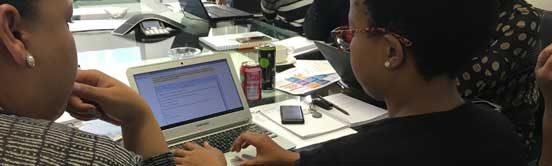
{"x":546,"y":29}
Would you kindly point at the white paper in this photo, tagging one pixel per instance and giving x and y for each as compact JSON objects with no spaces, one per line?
{"x":229,"y":42}
{"x":360,"y":113}
{"x":315,"y":67}
{"x":92,"y":25}
{"x":298,"y":82}
{"x":298,"y":45}
{"x":263,"y":121}
{"x":102,"y":128}
{"x":311,"y":128}
{"x":64,"y":118}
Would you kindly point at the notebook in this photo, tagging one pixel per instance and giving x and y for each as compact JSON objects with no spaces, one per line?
{"x":230,"y":42}
{"x":360,"y":112}
{"x":298,"y":45}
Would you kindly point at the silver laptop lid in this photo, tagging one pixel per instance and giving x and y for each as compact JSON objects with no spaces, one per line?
{"x":192,"y":96}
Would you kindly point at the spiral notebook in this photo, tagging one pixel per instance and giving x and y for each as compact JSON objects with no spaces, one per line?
{"x":230,"y":42}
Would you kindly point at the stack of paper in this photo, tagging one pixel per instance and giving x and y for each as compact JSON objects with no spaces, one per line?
{"x":313,"y":126}
{"x":229,"y":42}
{"x":298,"y":45}
{"x":263,"y":121}
{"x":360,"y":113}
{"x":315,"y":67}
{"x":309,"y":76}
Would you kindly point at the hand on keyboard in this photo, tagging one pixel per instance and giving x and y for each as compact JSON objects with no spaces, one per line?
{"x":194,"y":155}
{"x":223,"y":140}
{"x":268,"y":152}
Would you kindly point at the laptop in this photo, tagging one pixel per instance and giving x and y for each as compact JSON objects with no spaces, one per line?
{"x":340,"y":61}
{"x":199,"y":99}
{"x":212,"y":12}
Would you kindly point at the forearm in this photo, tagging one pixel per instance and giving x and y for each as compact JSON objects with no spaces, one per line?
{"x":546,"y":155}
{"x":143,"y":136}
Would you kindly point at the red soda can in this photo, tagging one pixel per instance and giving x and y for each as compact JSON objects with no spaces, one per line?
{"x":250,"y":74}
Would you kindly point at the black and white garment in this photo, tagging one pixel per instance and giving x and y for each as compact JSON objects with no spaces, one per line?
{"x":288,"y":14}
{"x":505,"y":73}
{"x":26,"y":141}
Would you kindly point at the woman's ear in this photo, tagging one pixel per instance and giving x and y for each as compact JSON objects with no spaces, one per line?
{"x":394,"y":51}
{"x":10,"y":35}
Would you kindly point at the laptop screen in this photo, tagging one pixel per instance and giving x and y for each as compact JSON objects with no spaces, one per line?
{"x":188,"y":94}
{"x":194,"y":7}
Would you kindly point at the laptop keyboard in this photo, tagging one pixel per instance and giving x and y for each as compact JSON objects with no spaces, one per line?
{"x":224,"y":140}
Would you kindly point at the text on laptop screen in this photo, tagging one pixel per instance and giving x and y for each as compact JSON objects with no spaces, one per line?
{"x":187,"y":94}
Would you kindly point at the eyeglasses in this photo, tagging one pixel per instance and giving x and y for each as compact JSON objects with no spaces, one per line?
{"x":344,"y":35}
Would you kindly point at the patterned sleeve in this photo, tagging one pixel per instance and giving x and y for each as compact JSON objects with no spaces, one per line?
{"x":41,"y":142}
{"x":269,"y":8}
{"x":165,"y":159}
{"x":108,"y":152}
{"x":509,"y":55}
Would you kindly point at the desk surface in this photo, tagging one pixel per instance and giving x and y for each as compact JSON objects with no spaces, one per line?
{"x":115,"y":54}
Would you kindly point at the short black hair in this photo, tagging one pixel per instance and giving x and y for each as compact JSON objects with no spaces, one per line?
{"x":25,"y":7}
{"x":446,"y":34}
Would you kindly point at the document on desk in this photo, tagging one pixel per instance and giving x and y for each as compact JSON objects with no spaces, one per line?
{"x":313,"y":126}
{"x":297,"y":45}
{"x":315,"y":67}
{"x":300,"y":80}
{"x":277,"y":127}
{"x":100,"y":127}
{"x":232,"y":41}
{"x":360,"y":112}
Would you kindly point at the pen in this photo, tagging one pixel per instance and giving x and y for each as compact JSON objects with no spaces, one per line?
{"x":246,"y":47}
{"x":335,"y":106}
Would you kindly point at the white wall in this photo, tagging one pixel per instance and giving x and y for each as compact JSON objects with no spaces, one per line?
{"x":543,"y":4}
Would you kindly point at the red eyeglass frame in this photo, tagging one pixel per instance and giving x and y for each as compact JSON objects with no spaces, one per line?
{"x":349,"y":33}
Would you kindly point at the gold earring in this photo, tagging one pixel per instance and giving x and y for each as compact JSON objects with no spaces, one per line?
{"x":387,"y":64}
{"x":31,"y":62}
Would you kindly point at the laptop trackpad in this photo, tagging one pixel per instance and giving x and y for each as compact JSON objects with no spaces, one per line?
{"x":233,"y":158}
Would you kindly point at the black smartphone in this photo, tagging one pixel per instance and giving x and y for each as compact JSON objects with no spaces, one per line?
{"x":292,"y":114}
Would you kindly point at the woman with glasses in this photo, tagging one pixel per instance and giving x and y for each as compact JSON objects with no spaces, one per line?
{"x":503,"y":73}
{"x":401,"y":54}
